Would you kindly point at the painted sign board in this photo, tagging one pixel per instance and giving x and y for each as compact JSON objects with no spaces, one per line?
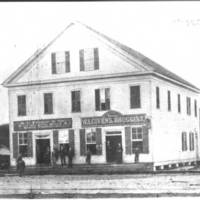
{"x":43,"y":124}
{"x":113,"y":118}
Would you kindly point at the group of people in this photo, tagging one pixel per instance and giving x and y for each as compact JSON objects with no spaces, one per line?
{"x":63,"y":153}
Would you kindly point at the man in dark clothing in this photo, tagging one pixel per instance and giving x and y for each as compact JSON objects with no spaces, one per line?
{"x":119,"y":153}
{"x":88,"y":156}
{"x":62,"y":155}
{"x":70,"y":156}
{"x":20,"y":165}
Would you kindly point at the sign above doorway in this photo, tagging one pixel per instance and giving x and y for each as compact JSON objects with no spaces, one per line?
{"x":113,"y":118}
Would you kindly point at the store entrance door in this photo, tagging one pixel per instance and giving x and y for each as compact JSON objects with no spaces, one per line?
{"x":43,"y":151}
{"x":113,"y":144}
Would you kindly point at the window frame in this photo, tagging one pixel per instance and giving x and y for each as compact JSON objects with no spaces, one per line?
{"x":195,"y":108}
{"x":92,"y":58}
{"x":21,"y":111}
{"x":184,"y":141}
{"x":73,"y":110}
{"x":107,"y":99}
{"x":46,"y":112}
{"x":139,"y":105}
{"x":157,"y":97}
{"x":179,"y":103}
{"x":191,"y":141}
{"x":91,"y":143}
{"x":140,"y":140}
{"x":169,"y":107}
{"x":23,"y":144}
{"x":188,"y":105}
{"x":65,"y":63}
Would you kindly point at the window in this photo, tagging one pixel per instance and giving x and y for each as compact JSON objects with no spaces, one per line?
{"x":179,"y":103}
{"x":137,"y":139}
{"x":188,"y":104}
{"x":135,"y":96}
{"x":169,"y":100}
{"x":23,"y":144}
{"x":102,"y":99}
{"x":21,"y":101}
{"x":157,"y":97}
{"x":89,"y":59}
{"x":195,"y":108}
{"x":76,"y":103}
{"x":91,"y":141}
{"x":184,"y":141}
{"x":191,"y":137}
{"x":48,"y":103}
{"x":60,"y":62}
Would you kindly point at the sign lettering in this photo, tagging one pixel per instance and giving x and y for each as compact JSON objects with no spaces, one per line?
{"x":43,"y":124}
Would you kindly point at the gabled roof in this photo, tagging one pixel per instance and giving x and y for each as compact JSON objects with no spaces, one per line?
{"x":150,"y":64}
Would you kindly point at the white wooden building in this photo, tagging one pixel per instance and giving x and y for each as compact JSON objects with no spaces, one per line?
{"x":89,"y":91}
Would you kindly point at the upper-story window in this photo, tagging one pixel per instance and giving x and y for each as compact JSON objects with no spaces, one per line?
{"x":135,"y":96}
{"x":76,"y":101}
{"x":188,"y":104}
{"x":60,"y":62}
{"x":157,"y":97}
{"x":169,"y":100}
{"x":89,"y":59}
{"x":184,"y":141}
{"x":102,"y":99}
{"x":179,"y":103}
{"x":48,"y":103}
{"x":21,"y":101}
{"x":195,"y":108}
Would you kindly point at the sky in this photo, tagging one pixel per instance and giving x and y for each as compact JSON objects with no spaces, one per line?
{"x":166,"y":32}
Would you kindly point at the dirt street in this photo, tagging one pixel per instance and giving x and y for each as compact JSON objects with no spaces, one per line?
{"x":127,"y":185}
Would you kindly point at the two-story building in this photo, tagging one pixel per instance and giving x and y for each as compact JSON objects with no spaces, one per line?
{"x":89,"y":91}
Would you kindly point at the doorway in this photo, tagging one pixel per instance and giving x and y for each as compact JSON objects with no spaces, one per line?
{"x":113,"y":154}
{"x":43,"y":153}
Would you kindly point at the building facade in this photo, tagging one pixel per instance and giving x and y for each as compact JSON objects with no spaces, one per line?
{"x":88,"y":91}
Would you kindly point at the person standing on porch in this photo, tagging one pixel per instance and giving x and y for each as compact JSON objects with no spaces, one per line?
{"x":70,"y":156}
{"x":20,"y":165}
{"x":88,"y":156}
{"x":119,"y":153}
{"x":62,"y":155}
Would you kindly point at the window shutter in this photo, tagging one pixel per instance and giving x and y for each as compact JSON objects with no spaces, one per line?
{"x":55,"y":138}
{"x":145,"y":140}
{"x":15,"y":145}
{"x":71,"y":138}
{"x":99,"y":141}
{"x":30,"y":144}
{"x":53,"y":63}
{"x":96,"y":58}
{"x":97,"y":99}
{"x":82,"y":142}
{"x":81,"y":56}
{"x":67,"y":61}
{"x":128,"y":139}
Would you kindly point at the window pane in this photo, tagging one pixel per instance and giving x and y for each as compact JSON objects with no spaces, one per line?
{"x":48,"y":103}
{"x":135,"y":96}
{"x":21,"y":105}
{"x":76,"y":106}
{"x":23,"y":149}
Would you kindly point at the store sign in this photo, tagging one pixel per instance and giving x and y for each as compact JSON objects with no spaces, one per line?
{"x":63,"y":136}
{"x":43,"y":124}
{"x":113,"y":118}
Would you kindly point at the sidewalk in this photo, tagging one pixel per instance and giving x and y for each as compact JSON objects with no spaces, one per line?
{"x":99,"y":169}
